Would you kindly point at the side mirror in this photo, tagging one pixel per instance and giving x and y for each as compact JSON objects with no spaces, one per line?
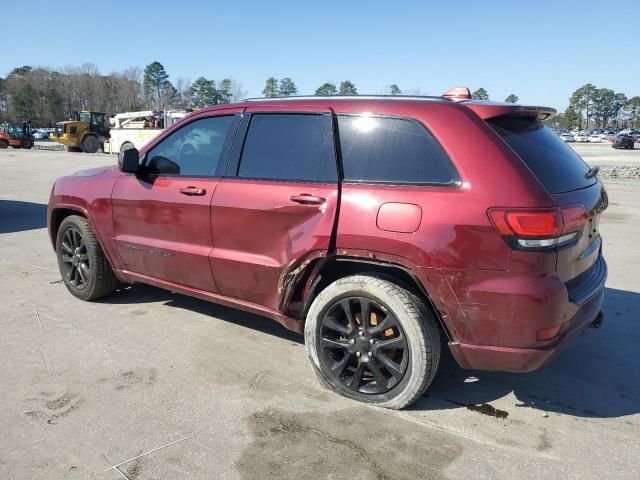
{"x":129,"y":161}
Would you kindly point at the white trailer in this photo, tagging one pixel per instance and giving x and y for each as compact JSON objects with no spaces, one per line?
{"x":134,"y":129}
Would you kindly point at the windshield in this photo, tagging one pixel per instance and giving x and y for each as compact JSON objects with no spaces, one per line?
{"x":85,"y":117}
{"x":556,"y":166}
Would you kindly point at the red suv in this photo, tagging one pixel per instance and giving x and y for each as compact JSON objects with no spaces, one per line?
{"x":375,"y":225}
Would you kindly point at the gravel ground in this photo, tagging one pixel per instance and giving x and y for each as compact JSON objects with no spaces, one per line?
{"x":167,"y":386}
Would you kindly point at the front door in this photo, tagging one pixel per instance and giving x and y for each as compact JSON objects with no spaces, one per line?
{"x":162,"y":218}
{"x":277,"y":204}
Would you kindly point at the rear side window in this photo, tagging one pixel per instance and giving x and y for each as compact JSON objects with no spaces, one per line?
{"x":289,"y":147}
{"x":556,"y":166}
{"x":391,"y":150}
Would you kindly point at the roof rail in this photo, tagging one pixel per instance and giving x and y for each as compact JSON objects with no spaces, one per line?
{"x":342,"y":97}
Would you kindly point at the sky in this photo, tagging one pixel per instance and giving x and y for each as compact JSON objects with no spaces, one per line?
{"x":538,"y":49}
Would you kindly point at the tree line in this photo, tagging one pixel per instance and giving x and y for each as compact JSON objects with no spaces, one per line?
{"x":592,"y":107}
{"x":46,"y":96}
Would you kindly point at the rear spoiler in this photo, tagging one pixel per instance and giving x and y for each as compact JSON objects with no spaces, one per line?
{"x":487,"y":110}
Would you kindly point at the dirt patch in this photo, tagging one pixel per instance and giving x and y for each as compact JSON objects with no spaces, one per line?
{"x":489,"y":410}
{"x":132,"y":378}
{"x":57,"y":408}
{"x":358,"y":443}
{"x":132,"y":470}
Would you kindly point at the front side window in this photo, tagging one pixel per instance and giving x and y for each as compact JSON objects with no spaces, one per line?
{"x":193,"y":150}
{"x":392,"y":150}
{"x":289,"y":147}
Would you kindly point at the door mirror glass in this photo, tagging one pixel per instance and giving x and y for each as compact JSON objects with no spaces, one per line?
{"x":129,"y":161}
{"x":160,"y":165}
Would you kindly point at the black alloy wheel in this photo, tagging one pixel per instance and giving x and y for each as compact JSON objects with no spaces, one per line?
{"x":76,"y":265}
{"x":362,"y":345}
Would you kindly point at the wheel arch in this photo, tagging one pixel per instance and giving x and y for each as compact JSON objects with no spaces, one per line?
{"x":126,"y":142}
{"x":58,"y":214}
{"x":326,"y":270}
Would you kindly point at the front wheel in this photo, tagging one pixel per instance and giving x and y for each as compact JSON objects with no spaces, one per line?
{"x":85,"y":270}
{"x":90,"y":144}
{"x":371,"y":340}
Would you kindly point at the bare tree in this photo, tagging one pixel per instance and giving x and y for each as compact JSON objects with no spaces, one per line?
{"x":183,"y":86}
{"x":237,"y":91}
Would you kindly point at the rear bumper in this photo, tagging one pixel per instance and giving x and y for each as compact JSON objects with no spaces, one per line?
{"x":497,"y":358}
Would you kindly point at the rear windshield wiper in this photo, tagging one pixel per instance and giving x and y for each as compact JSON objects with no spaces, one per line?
{"x":593,"y":171}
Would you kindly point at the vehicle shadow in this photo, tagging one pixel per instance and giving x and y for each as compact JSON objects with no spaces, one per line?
{"x":145,"y":293}
{"x":597,"y":376}
{"x":16,"y":216}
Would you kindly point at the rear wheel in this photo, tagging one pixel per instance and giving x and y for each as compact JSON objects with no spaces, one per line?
{"x":85,"y":270}
{"x":371,"y":340}
{"x":3,"y":143}
{"x":90,"y":144}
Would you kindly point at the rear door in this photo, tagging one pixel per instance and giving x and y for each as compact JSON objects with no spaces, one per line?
{"x":162,"y":218}
{"x":277,"y":204}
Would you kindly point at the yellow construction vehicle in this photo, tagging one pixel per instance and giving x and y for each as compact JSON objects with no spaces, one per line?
{"x":85,"y":133}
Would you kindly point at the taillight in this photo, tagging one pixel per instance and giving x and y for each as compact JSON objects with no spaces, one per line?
{"x":539,"y":228}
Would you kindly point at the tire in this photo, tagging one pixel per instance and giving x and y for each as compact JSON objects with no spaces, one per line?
{"x":77,"y":248}
{"x":395,"y":310}
{"x":90,"y":144}
{"x":126,"y":146}
{"x":4,"y":143}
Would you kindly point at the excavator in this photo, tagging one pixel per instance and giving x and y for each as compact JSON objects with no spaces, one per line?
{"x":16,"y":135}
{"x":86,"y":132}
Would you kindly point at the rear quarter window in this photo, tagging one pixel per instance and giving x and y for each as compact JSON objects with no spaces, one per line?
{"x":392,"y":150}
{"x":556,"y":166}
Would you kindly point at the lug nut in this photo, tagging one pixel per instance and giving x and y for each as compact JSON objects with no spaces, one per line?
{"x":357,"y":354}
{"x":352,"y":341}
{"x":361,"y":333}
{"x":372,"y":341}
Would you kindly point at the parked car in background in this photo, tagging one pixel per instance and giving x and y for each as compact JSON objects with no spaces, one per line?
{"x":340,"y":218}
{"x":623,"y":141}
{"x":581,"y":138}
{"x":40,"y":135}
{"x":595,"y":138}
{"x":567,"y":137}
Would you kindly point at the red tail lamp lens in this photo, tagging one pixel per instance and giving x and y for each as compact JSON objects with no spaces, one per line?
{"x":574,"y":217}
{"x":527,"y":223}
{"x":547,"y":223}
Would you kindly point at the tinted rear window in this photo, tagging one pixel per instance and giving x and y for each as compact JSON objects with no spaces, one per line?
{"x":552,"y":161}
{"x":391,"y":150}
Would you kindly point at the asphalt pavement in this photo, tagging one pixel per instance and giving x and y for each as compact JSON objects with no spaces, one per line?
{"x":149,"y":384}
